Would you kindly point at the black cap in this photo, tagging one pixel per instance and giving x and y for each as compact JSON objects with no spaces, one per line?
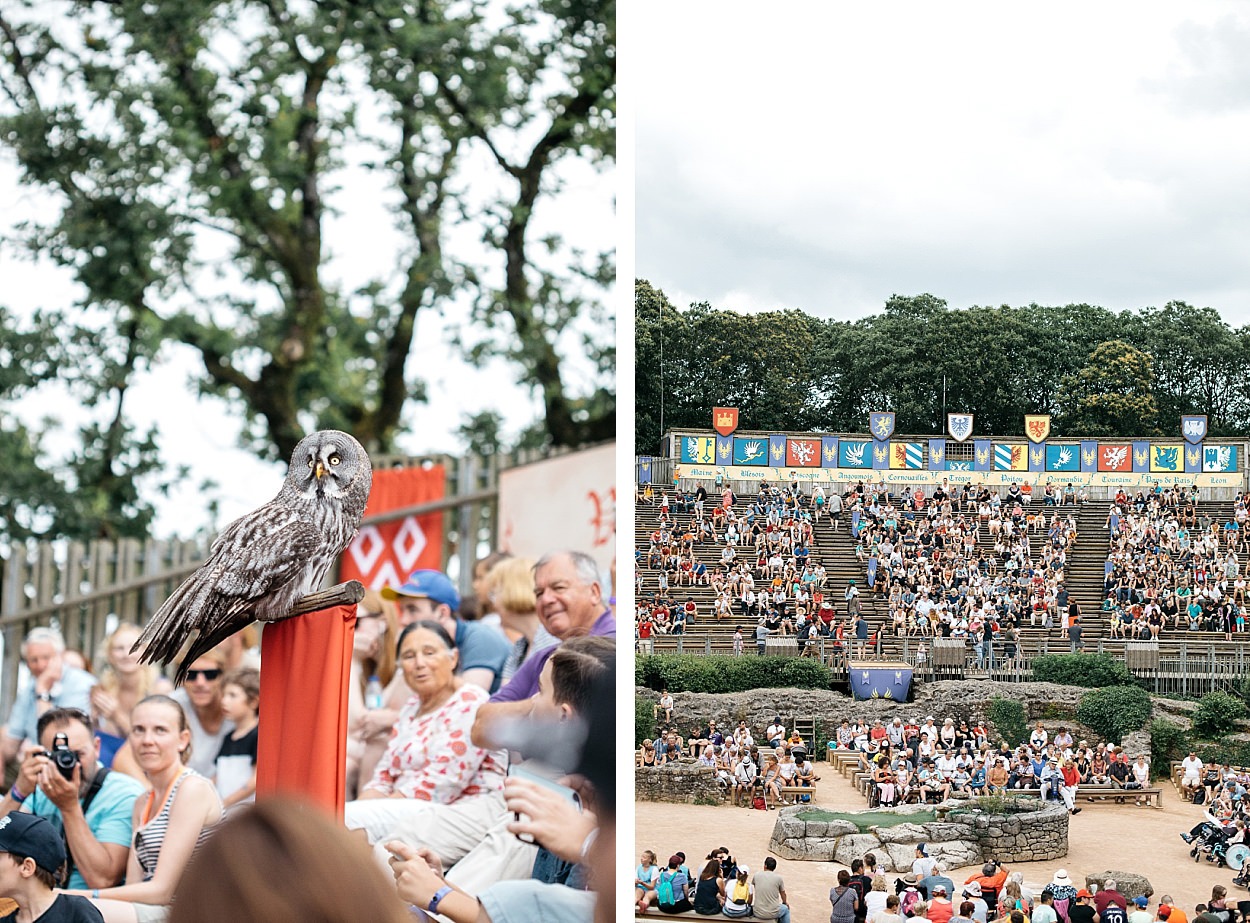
{"x":29,"y":835}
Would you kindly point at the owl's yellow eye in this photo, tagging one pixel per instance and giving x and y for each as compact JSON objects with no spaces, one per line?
{"x":334,"y":459}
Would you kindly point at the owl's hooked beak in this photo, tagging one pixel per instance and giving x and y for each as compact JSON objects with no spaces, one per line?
{"x":320,"y":471}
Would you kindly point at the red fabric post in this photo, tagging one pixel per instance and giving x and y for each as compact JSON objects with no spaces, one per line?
{"x":306,"y":667}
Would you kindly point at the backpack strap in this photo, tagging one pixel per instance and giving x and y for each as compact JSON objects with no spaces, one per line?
{"x":89,"y":796}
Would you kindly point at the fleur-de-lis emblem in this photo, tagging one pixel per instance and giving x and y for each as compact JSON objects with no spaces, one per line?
{"x":879,"y":454}
{"x":1036,"y":456}
{"x":1140,"y":457}
{"x":779,"y":451}
{"x":646,"y":466}
{"x":1087,"y":458}
{"x":983,"y":456}
{"x":937,"y":455}
{"x":1192,"y":457}
{"x":830,"y":453}
{"x":723,"y":450}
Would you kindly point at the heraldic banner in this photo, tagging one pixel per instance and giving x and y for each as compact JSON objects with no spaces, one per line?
{"x":386,"y":553}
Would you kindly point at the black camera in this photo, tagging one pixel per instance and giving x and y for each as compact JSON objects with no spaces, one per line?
{"x":63,"y":758}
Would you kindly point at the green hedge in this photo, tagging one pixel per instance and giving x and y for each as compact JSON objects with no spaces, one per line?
{"x":1008,"y":717}
{"x":1090,"y":671}
{"x":1217,"y":714}
{"x":1167,"y":742}
{"x":1235,"y":753}
{"x":644,"y":720}
{"x":1114,"y":711}
{"x":696,"y":673}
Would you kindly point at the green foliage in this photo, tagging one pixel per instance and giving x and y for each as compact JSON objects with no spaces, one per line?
{"x":1114,"y":711}
{"x":1090,"y":671}
{"x":1217,"y":714}
{"x":644,"y":720}
{"x":1245,"y":688}
{"x":1111,"y":395}
{"x":865,"y":819}
{"x":1233,"y":752}
{"x":1167,"y":743}
{"x":197,"y":161}
{"x":1171,"y":360}
{"x":997,"y":804}
{"x":695,"y":673}
{"x":1007,"y":715}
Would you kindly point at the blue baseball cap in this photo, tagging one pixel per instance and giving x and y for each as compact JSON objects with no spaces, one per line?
{"x":33,"y":836}
{"x":428,"y":584}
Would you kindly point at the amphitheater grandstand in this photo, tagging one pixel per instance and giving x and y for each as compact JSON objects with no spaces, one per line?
{"x":967,"y":573}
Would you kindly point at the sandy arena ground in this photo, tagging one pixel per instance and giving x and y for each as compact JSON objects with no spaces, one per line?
{"x":1103,"y":836}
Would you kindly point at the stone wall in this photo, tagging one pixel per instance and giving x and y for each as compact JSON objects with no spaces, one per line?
{"x":679,"y":783}
{"x":960,"y":840}
{"x":1054,"y":705}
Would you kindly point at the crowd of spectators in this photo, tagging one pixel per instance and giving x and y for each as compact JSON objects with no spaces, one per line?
{"x":455,"y":725}
{"x":964,"y":563}
{"x":1169,"y":569}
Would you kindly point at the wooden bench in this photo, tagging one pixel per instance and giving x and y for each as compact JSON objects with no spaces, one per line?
{"x":797,"y":790}
{"x":1096,"y":793}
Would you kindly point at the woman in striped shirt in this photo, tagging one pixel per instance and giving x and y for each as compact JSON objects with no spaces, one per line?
{"x":170,"y":822}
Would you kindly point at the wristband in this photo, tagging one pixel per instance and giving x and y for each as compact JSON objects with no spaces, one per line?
{"x":437,"y":899}
{"x":95,"y":894}
{"x":589,"y":842}
{"x":16,"y":795}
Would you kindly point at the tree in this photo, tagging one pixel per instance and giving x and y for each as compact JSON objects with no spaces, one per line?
{"x":168,"y":133}
{"x":1112,"y":394}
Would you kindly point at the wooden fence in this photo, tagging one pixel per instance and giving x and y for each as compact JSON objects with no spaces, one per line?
{"x":86,"y":589}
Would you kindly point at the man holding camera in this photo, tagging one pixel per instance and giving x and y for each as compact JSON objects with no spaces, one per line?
{"x":63,"y":781}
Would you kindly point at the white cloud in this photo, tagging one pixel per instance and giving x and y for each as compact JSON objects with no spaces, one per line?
{"x":986,"y":153}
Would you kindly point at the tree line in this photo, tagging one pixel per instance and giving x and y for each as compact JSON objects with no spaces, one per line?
{"x":1097,"y":372}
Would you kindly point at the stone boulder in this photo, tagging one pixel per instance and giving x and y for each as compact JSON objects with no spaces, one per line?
{"x":1129,"y":884}
{"x":855,"y":846}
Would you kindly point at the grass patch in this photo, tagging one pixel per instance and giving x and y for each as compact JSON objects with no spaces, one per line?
{"x":865,"y":819}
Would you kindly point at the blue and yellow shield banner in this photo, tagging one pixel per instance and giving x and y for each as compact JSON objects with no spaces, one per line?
{"x":777,"y":451}
{"x":854,"y":454}
{"x":881,"y":425}
{"x":880,"y":454}
{"x":1008,"y":457}
{"x":906,"y":455}
{"x":937,"y":454}
{"x":982,"y":455}
{"x":1063,"y":458}
{"x":644,"y":469}
{"x":1193,"y":459}
{"x":750,"y":451}
{"x":1219,"y":458}
{"x":1141,"y":457}
{"x":724,"y":450}
{"x":828,"y":451}
{"x":1089,"y":455}
{"x":1166,"y":459}
{"x":698,"y":450}
{"x":1194,"y":427}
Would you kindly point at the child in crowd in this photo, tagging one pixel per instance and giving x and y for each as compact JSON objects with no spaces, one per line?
{"x":35,"y":860}
{"x":235,"y":777}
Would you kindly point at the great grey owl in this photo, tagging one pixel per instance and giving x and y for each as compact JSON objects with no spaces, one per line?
{"x":264,"y":562}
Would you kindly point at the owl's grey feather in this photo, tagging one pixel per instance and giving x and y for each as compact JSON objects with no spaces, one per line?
{"x":264,"y":562}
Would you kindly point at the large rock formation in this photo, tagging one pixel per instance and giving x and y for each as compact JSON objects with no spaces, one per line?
{"x":960,"y":840}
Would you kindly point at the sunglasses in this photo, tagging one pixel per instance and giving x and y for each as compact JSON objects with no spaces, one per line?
{"x":210,"y":675}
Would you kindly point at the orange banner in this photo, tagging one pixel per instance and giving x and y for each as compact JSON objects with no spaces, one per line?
{"x":386,"y":553}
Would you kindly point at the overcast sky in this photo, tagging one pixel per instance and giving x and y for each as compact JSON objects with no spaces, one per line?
{"x":825,"y":156}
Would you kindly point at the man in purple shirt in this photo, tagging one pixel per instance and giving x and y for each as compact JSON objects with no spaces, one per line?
{"x":569,"y":603}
